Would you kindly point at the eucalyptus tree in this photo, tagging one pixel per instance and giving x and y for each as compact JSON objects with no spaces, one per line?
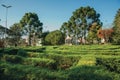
{"x":80,"y":22}
{"x":31,"y":25}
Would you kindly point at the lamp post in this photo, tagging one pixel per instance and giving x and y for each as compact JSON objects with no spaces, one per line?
{"x":6,"y":6}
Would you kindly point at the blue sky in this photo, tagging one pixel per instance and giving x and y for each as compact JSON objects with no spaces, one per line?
{"x":54,"y":12}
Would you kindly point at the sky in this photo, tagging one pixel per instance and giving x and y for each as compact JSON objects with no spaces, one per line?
{"x":52,"y":13}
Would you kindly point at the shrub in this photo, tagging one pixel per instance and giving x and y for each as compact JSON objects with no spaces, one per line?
{"x":112,"y":64}
{"x":40,"y":62}
{"x":10,"y":51}
{"x":28,"y":72}
{"x":31,"y":54}
{"x":63,"y":62}
{"x":55,"y":38}
{"x":89,"y":73}
{"x":22,"y":53}
{"x":12,"y":58}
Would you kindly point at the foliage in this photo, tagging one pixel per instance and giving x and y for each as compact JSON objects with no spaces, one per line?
{"x":31,"y":26}
{"x":116,"y":28}
{"x":64,"y":62}
{"x":27,"y":72}
{"x":22,"y":53}
{"x":44,"y":34}
{"x":56,"y":61}
{"x":88,"y":73}
{"x":112,"y":64}
{"x":80,"y":22}
{"x":61,"y":63}
{"x":40,"y":62}
{"x":92,"y":33}
{"x":55,"y":38}
{"x":12,"y":59}
{"x":10,"y":51}
{"x":15,"y":34}
{"x":106,"y":34}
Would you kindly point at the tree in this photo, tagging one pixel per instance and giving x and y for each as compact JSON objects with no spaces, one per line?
{"x":32,"y":26}
{"x":92,"y":32}
{"x":116,"y":28}
{"x":105,"y":34}
{"x":15,"y":33}
{"x":44,"y":34}
{"x":55,"y":38}
{"x":80,"y":21}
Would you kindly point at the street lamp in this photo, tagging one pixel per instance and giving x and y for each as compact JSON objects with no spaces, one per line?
{"x":6,"y":6}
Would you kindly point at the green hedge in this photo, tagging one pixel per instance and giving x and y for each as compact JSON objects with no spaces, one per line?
{"x":60,"y":61}
{"x":113,"y":64}
{"x":12,"y":58}
{"x":11,"y":51}
{"x":64,"y":62}
{"x":27,"y":72}
{"x":22,"y":53}
{"x":40,"y":62}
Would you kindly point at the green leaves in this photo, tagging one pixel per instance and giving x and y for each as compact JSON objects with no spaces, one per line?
{"x":55,"y":38}
{"x":80,"y":21}
{"x":116,"y":28}
{"x":31,"y":25}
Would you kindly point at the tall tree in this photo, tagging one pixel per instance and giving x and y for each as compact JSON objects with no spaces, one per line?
{"x":15,"y":33}
{"x":80,"y":21}
{"x":116,"y":28}
{"x":32,"y":25}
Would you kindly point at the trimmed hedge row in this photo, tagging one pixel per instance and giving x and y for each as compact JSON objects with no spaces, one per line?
{"x":40,"y":62}
{"x":27,"y":72}
{"x":12,"y":58}
{"x":56,"y":61}
{"x":10,"y":51}
{"x":64,"y":62}
{"x":112,"y":64}
{"x":13,"y":51}
{"x":60,"y":61}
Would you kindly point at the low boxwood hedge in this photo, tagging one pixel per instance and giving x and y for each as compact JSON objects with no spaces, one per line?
{"x":12,"y":58}
{"x":112,"y":64}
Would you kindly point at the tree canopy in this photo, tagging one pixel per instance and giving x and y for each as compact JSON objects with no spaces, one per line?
{"x":31,"y":25}
{"x":80,"y":22}
{"x":116,"y":28}
{"x":15,"y":33}
{"x":55,"y":38}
